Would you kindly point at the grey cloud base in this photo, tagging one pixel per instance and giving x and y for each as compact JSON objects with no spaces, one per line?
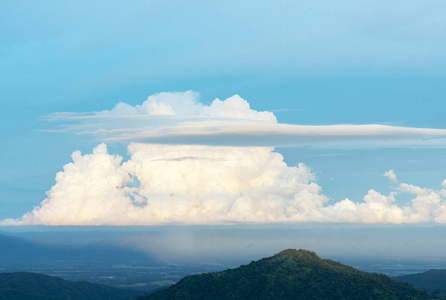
{"x":179,"y":118}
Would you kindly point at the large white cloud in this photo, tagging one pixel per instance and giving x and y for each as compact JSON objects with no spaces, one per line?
{"x":192,"y":184}
{"x":179,"y":118}
{"x":179,"y":182}
{"x":89,"y":190}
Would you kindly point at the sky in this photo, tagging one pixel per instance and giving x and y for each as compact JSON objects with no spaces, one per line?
{"x":221,"y":112}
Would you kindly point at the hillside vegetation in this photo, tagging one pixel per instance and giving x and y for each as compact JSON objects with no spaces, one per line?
{"x":434,"y":281}
{"x":24,"y":285}
{"x":291,"y":274}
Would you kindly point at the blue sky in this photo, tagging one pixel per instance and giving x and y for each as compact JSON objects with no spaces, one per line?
{"x":309,"y":63}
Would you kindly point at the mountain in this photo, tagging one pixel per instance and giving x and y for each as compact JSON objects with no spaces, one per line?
{"x":17,"y":251}
{"x":291,"y":274}
{"x":434,"y":281}
{"x":24,"y":285}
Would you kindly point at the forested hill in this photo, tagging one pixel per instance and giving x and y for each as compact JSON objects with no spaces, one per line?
{"x":291,"y":274}
{"x":24,"y":286}
{"x":433,"y":281}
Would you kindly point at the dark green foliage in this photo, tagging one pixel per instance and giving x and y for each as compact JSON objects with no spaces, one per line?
{"x":24,"y":285}
{"x":433,"y":281}
{"x":291,"y":274}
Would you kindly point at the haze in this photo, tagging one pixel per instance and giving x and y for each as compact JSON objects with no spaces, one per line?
{"x":222,"y":132}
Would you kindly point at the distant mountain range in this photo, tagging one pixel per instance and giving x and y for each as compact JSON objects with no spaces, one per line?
{"x":17,"y":251}
{"x":434,"y":281}
{"x":27,"y":286}
{"x":291,"y":274}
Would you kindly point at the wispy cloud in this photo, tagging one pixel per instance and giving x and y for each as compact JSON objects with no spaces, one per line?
{"x":179,"y":118}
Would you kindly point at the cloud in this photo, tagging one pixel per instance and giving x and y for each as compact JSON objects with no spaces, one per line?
{"x":199,"y":173}
{"x":192,"y":184}
{"x":88,"y":190}
{"x":179,"y":118}
{"x":178,"y":184}
{"x":390,"y":175}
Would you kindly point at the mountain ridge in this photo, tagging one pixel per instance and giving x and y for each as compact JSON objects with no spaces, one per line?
{"x":433,"y":281}
{"x":20,"y":251}
{"x":27,"y":285}
{"x":291,"y":274}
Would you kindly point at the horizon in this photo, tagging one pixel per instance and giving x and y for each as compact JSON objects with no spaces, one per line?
{"x":198,"y":136}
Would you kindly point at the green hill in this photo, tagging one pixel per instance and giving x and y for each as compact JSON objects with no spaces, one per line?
{"x":291,"y":274}
{"x":433,"y":281}
{"x":24,"y":285}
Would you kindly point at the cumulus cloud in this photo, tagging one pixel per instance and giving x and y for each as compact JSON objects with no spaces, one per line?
{"x":196,"y":174}
{"x":390,"y":175}
{"x":191,"y":184}
{"x":179,"y":118}
{"x":178,"y":184}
